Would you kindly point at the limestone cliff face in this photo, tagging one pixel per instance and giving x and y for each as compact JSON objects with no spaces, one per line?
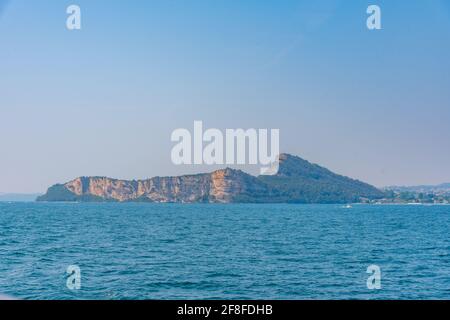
{"x":103,"y":188}
{"x":221,"y":186}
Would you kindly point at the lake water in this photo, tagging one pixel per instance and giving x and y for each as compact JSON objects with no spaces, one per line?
{"x":170,"y":251}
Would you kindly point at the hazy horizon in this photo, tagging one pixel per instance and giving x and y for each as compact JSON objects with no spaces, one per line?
{"x":103,"y":101}
{"x":37,"y":193}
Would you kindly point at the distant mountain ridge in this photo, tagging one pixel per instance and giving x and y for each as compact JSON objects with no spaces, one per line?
{"x":443,"y":187}
{"x":297,"y":181}
{"x":18,"y":197}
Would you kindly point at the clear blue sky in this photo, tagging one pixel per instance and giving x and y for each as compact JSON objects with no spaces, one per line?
{"x":373,"y":105}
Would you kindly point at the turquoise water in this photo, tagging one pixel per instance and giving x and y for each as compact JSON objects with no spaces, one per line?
{"x":168,"y":251}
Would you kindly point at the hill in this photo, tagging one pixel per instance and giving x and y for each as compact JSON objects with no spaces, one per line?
{"x":297,"y":181}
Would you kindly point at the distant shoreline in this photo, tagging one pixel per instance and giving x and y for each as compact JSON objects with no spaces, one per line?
{"x":229,"y":204}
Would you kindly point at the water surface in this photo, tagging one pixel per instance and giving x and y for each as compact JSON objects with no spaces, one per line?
{"x":170,"y":251}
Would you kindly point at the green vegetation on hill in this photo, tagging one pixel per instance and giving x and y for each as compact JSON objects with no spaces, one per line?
{"x":299,"y":181}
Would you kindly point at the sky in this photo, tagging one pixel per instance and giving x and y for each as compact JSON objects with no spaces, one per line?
{"x":370,"y":104}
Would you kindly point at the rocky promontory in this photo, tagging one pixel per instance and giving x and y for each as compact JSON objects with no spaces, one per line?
{"x":297,"y":181}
